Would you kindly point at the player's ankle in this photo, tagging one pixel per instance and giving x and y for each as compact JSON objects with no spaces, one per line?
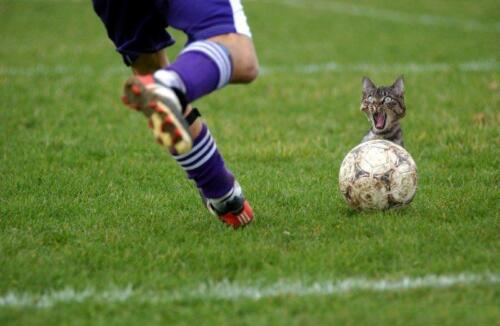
{"x":231,"y":201}
{"x":196,"y":127}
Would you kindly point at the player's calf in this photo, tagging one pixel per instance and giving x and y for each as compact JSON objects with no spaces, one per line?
{"x":220,"y":192}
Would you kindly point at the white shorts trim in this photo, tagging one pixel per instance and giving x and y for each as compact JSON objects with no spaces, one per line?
{"x":240,"y":19}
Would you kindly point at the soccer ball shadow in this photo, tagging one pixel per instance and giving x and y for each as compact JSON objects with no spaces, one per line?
{"x":403,"y":211}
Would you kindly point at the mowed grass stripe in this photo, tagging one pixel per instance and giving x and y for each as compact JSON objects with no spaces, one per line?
{"x":487,"y":65}
{"x":391,"y":15}
{"x":226,"y":290}
{"x":355,"y":10}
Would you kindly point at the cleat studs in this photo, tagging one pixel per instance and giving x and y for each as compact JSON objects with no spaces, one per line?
{"x":152,"y":105}
{"x":125,"y":100}
{"x":168,"y":120}
{"x":182,"y":147}
{"x":156,"y":122}
{"x":177,"y":133}
{"x":136,"y":89}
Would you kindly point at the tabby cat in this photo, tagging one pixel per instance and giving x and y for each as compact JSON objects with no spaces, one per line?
{"x":384,"y":107}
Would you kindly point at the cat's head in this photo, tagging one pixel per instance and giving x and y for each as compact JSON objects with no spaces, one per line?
{"x":383,"y":106}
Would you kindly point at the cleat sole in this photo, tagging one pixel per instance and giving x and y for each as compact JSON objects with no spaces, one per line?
{"x":136,"y":89}
{"x":169,"y":126}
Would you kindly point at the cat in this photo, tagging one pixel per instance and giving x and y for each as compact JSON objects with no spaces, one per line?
{"x":384,"y":107}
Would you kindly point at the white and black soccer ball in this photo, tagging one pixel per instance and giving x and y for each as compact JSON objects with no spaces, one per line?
{"x":378,"y":175}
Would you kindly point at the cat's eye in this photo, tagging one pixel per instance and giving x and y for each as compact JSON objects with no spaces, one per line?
{"x":370,"y":98}
{"x":387,"y":99}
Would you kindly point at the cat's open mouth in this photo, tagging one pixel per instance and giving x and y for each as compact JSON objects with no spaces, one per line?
{"x":379,"y":119}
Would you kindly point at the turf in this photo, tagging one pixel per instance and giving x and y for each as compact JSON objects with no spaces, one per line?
{"x":88,"y":200}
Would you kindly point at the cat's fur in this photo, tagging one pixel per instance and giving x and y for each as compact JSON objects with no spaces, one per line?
{"x":384,"y":106}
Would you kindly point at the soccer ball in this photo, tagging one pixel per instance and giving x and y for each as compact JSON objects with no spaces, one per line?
{"x":378,"y":175}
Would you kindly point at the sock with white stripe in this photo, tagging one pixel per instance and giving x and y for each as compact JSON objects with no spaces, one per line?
{"x":201,"y":68}
{"x":205,"y":166}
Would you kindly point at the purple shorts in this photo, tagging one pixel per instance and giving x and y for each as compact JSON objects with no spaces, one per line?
{"x":139,"y":26}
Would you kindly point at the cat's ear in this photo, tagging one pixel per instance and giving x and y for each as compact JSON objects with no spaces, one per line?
{"x":368,"y":85}
{"x":399,"y":86}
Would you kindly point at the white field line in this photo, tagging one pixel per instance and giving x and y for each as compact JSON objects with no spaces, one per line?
{"x":77,"y":70}
{"x":344,"y":8}
{"x":472,"y":66}
{"x":233,"y":291}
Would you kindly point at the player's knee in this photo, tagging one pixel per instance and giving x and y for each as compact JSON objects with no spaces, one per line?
{"x":245,"y":62}
{"x":248,"y":70}
{"x":147,"y":63}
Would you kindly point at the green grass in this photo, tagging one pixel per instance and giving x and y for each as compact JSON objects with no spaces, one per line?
{"x":88,"y":200}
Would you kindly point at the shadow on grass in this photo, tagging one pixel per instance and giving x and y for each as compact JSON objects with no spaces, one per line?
{"x":404,"y":211}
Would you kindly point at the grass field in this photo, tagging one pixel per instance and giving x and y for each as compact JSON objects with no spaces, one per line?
{"x":99,"y":226}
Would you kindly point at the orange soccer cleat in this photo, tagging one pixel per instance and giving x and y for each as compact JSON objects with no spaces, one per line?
{"x":234,"y":210}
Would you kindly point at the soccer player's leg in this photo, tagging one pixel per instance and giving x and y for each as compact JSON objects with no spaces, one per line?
{"x":218,"y":188}
{"x":202,"y":67}
{"x":210,"y":61}
{"x":220,"y":51}
{"x":138,"y":31}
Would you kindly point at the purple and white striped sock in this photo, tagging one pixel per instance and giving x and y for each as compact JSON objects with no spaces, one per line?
{"x":201,"y":68}
{"x":205,"y":166}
